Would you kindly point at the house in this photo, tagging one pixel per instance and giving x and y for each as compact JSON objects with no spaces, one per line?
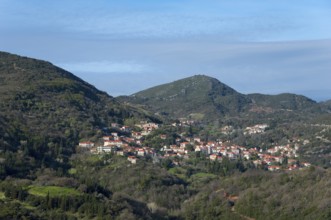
{"x":113,"y":143}
{"x":198,"y":148}
{"x":213,"y":157}
{"x":166,"y":149}
{"x":177,"y":149}
{"x":235,"y":150}
{"x":132,"y":159}
{"x":293,"y":167}
{"x":279,"y":159}
{"x":247,"y":155}
{"x":148,"y":127}
{"x":93,"y":151}
{"x":115,"y":125}
{"x":198,"y":140}
{"x":257,"y":162}
{"x":120,"y":153}
{"x":104,"y":149}
{"x":307,"y":164}
{"x":128,"y":140}
{"x":107,"y":138}
{"x":136,"y":135}
{"x":126,"y":129}
{"x":223,"y":151}
{"x":184,"y":144}
{"x":141,"y":152}
{"x":87,"y":144}
{"x":117,"y":138}
{"x":273,"y":168}
{"x":231,"y":155}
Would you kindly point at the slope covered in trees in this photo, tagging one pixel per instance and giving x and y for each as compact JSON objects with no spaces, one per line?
{"x":45,"y":111}
{"x":205,"y":98}
{"x":198,"y":96}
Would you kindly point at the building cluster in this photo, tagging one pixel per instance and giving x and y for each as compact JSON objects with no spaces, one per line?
{"x":256,"y":129}
{"x":131,"y":145}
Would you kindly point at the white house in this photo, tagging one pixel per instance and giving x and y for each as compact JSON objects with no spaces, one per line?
{"x":87,"y":144}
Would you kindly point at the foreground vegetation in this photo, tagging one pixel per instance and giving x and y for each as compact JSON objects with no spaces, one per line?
{"x":109,"y":187}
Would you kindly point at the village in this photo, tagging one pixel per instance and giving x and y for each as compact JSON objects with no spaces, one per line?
{"x":131,"y":146}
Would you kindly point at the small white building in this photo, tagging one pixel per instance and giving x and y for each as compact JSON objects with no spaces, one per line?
{"x":132,"y":159}
{"x":104,"y":149}
{"x":87,"y":144}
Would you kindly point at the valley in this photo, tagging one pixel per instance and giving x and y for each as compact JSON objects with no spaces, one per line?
{"x":191,"y":149}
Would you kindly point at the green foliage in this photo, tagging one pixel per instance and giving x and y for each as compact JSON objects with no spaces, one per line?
{"x":45,"y":111}
{"x":283,"y":101}
{"x":200,"y":96}
{"x":52,"y":191}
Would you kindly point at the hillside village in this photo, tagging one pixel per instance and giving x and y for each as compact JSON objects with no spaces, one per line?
{"x":132,"y":146}
{"x":61,"y":158}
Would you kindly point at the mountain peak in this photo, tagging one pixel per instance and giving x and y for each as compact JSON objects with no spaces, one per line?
{"x":198,"y":95}
{"x":194,"y":85}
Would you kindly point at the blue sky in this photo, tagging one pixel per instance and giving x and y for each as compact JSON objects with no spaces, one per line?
{"x":255,"y":46}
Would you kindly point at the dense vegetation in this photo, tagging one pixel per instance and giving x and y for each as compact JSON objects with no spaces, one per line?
{"x":198,"y":96}
{"x":45,"y":111}
{"x":108,"y":187}
{"x":205,"y":98}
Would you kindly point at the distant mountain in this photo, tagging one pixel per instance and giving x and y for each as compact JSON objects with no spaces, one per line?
{"x":198,"y":96}
{"x":207,"y":98}
{"x":327,"y":105}
{"x":282,"y":101}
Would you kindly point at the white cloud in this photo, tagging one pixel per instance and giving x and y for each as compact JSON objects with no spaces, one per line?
{"x":239,"y":20}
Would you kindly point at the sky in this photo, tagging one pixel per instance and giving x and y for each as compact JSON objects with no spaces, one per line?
{"x":122,"y":47}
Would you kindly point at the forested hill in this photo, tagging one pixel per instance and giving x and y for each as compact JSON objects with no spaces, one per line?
{"x":327,"y":105}
{"x":198,"y":96}
{"x":203,"y":97}
{"x":45,"y":110}
{"x":282,"y":101}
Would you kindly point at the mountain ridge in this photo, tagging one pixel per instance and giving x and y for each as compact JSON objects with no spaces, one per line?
{"x":205,"y":92}
{"x":199,"y":95}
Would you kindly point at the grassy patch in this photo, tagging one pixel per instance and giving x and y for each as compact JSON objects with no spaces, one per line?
{"x":179,"y":172}
{"x":117,"y":162}
{"x":72,"y":171}
{"x":92,"y":159}
{"x":197,"y":116}
{"x":54,"y":191}
{"x":200,"y":179}
{"x":2,"y":195}
{"x":25,"y":204}
{"x":204,"y":175}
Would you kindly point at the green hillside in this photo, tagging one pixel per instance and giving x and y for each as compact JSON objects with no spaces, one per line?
{"x":45,"y":111}
{"x":282,"y":101}
{"x":199,"y":96}
{"x":204,"y":98}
